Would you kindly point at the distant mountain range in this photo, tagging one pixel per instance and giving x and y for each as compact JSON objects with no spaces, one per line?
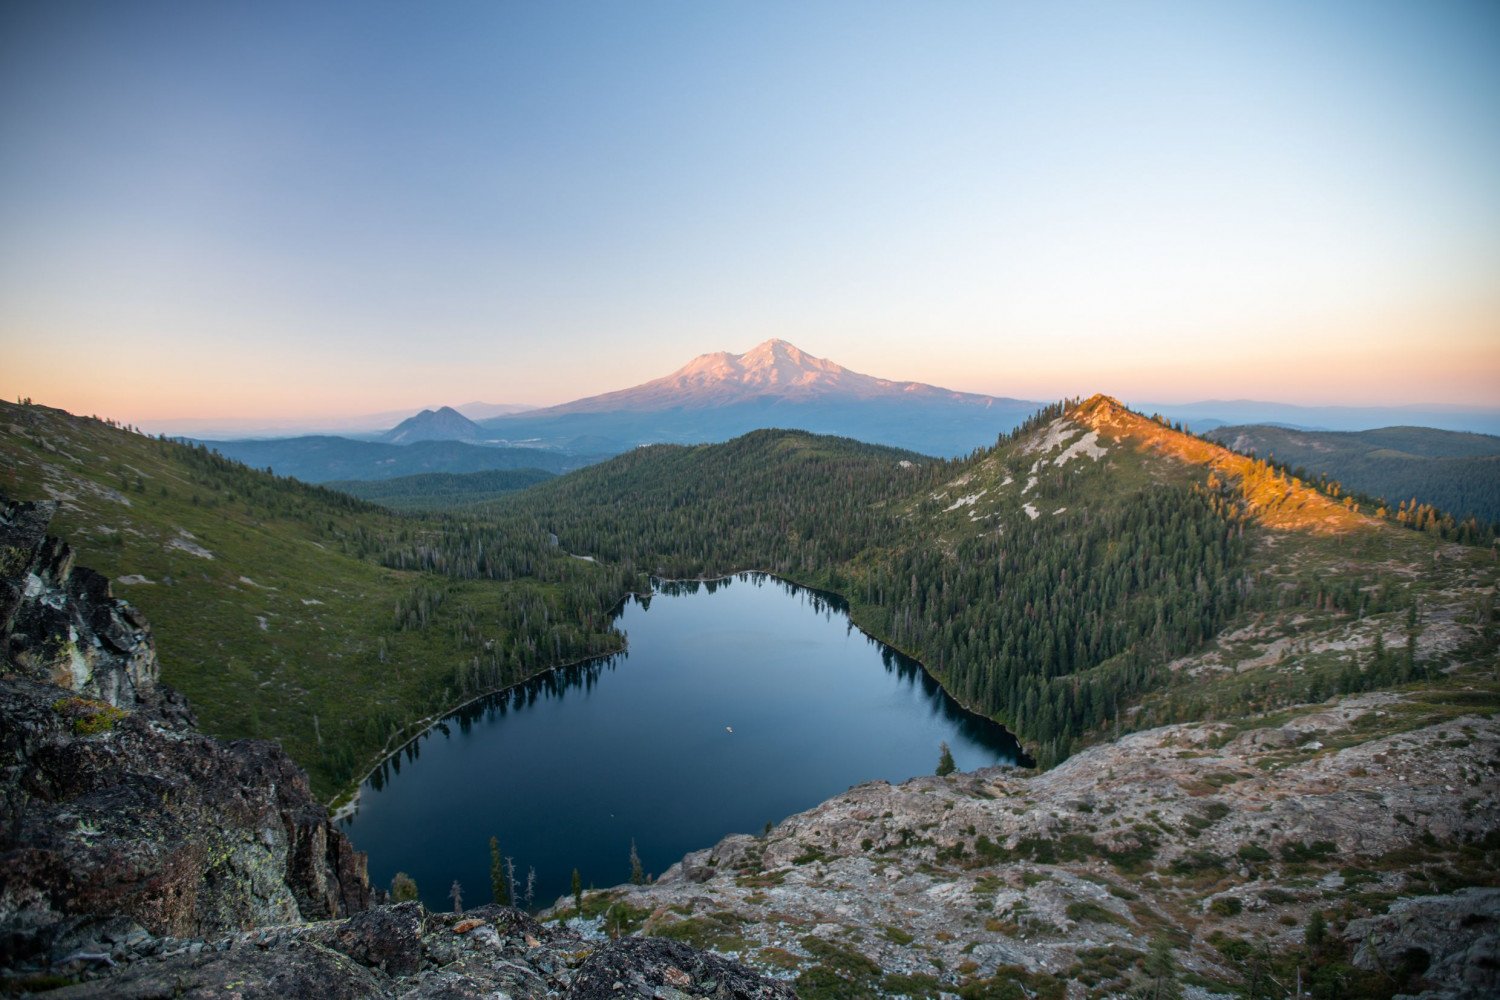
{"x":364,"y":425}
{"x":1208,"y":414}
{"x":1455,"y":471}
{"x":719,"y":396}
{"x":322,"y":459}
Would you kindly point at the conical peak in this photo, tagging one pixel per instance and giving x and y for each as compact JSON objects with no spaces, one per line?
{"x":779,"y":352}
{"x":1100,"y":402}
{"x":772,"y":370}
{"x":772,"y":362}
{"x":775,"y":347}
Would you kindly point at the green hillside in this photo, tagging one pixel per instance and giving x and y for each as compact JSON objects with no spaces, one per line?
{"x":1455,"y":472}
{"x":434,"y":491}
{"x":283,"y":610}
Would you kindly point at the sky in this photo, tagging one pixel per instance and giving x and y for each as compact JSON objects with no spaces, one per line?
{"x":255,"y":209}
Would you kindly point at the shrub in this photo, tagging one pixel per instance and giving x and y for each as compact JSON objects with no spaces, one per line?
{"x":403,"y":888}
{"x":89,"y":717}
{"x":1226,"y":906}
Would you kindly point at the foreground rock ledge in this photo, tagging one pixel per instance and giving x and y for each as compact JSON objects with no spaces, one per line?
{"x":406,"y":951}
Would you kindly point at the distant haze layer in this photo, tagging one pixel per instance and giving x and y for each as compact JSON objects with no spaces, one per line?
{"x":277,"y":210}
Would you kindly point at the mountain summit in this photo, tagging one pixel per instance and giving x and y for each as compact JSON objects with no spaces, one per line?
{"x":445,"y":424}
{"x":717,"y":396}
{"x":775,"y":370}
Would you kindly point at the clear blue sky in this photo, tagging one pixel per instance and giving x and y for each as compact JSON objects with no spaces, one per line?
{"x":217,"y":208}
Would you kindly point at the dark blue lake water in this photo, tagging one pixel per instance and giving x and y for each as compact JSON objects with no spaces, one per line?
{"x":567,"y":769}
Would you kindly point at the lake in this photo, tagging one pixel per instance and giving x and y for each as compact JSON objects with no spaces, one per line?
{"x":569,"y":768}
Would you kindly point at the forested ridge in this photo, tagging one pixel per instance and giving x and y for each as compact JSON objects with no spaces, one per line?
{"x":1055,"y":612}
{"x":439,"y":490}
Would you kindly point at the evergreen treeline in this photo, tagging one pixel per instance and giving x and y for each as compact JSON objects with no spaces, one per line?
{"x":1055,"y":624}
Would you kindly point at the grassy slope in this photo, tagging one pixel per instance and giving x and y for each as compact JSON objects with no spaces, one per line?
{"x":281,"y":634}
{"x":434,"y":491}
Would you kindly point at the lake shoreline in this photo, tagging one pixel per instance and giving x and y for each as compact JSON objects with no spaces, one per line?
{"x":739,"y":705}
{"x":340,"y":809}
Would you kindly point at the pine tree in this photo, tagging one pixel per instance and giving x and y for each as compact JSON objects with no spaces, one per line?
{"x":578,"y":892}
{"x":637,"y":873}
{"x":1316,"y":933}
{"x":457,"y":894}
{"x":499,"y":889}
{"x":1411,"y":641}
{"x":945,"y":761}
{"x":1162,"y":969}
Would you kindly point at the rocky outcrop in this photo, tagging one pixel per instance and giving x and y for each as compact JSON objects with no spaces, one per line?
{"x":121,"y":817}
{"x":118,"y":818}
{"x":61,"y":625}
{"x":1453,"y":940}
{"x":654,"y":967}
{"x":405,"y":951}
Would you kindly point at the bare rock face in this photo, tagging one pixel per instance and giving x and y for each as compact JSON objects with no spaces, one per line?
{"x":117,"y":817}
{"x":1453,"y":940}
{"x":310,"y":972}
{"x":652,"y":967}
{"x":1233,"y":833}
{"x":61,"y":625}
